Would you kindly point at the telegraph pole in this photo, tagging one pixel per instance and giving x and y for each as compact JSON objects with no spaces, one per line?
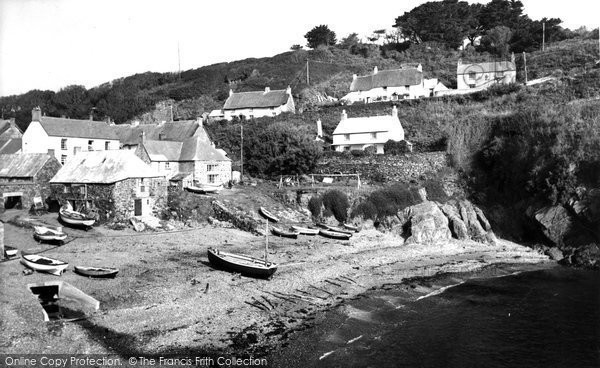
{"x":307,"y":73}
{"x":525,"y":61}
{"x":242,"y":153}
{"x":543,"y":36}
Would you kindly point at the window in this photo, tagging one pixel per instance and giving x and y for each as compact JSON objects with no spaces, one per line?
{"x":374,"y":135}
{"x":167,"y":166}
{"x":63,"y":159}
{"x":384,"y":88}
{"x":212,"y":178}
{"x":142,"y":186}
{"x":63,"y":144}
{"x":106,"y":145}
{"x":346,"y":137}
{"x":211,"y":167}
{"x":471,"y":86}
{"x":90,"y":145}
{"x":472,"y":75}
{"x":346,"y":148}
{"x":499,"y":74}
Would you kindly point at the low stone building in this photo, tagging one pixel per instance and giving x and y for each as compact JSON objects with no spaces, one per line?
{"x":116,"y":184}
{"x":24,"y":177}
{"x":257,"y":104}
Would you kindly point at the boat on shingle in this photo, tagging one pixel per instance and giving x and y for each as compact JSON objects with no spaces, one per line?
{"x":246,"y":265}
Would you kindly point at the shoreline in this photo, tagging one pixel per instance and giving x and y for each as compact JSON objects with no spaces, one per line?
{"x":168,"y":301}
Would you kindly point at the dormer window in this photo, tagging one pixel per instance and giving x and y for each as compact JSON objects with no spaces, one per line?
{"x":63,"y":144}
{"x":90,"y":145}
{"x":346,"y":137}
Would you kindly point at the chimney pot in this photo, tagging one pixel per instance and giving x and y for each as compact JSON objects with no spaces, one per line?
{"x":230,"y":92}
{"x":394,"y":111}
{"x":267,"y":89}
{"x":319,"y":129}
{"x":375,"y":70}
{"x":288,"y":90}
{"x":36,"y":114}
{"x":344,"y":115}
{"x":354,"y":76}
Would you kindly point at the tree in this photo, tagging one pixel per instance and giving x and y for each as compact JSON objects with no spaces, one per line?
{"x":498,"y":40}
{"x":320,"y":35}
{"x":296,"y":47}
{"x":349,"y":41}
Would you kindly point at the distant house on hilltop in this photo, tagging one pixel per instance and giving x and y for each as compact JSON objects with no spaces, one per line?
{"x":387,"y":85}
{"x":64,"y":137}
{"x":484,"y":75}
{"x":117,"y":183}
{"x":258,"y":103}
{"x":373,"y":131}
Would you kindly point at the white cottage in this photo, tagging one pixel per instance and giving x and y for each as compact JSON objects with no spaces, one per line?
{"x":65,"y":137}
{"x":373,"y":131}
{"x":483,"y":75}
{"x":258,"y":103}
{"x":387,"y":85}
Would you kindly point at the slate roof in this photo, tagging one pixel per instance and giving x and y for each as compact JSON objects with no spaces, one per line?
{"x":8,"y":131}
{"x":499,"y":66}
{"x":168,"y":131}
{"x":25,"y":165}
{"x":62,"y":127}
{"x":257,"y":99}
{"x":192,"y":149}
{"x":387,"y":78}
{"x":371,"y":124}
{"x":103,"y":167}
{"x":10,"y":146}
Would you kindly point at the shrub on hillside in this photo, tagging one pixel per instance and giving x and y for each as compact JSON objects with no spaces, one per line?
{"x":336,"y":202}
{"x":392,"y":147}
{"x":387,"y":202}
{"x":315,"y":204}
{"x":435,"y":190}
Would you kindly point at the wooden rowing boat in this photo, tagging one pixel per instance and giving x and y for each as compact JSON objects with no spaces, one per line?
{"x":268,"y":215}
{"x":305,"y":230}
{"x":10,"y":252}
{"x":49,"y":234}
{"x":245,"y":265}
{"x":205,"y":188}
{"x":96,"y":272}
{"x":283,"y":233}
{"x":75,"y":218}
{"x":44,"y":264}
{"x":340,"y":230}
{"x":334,"y":234}
{"x":351,"y":227}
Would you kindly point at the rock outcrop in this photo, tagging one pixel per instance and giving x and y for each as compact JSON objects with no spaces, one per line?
{"x":432,"y":221}
{"x":239,"y":219}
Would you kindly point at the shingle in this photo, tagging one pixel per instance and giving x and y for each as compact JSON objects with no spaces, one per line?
{"x":258,"y":99}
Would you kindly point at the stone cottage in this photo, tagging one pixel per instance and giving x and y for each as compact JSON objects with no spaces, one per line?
{"x":173,"y":131}
{"x":25,"y":177}
{"x":116,"y":184}
{"x":257,"y":104}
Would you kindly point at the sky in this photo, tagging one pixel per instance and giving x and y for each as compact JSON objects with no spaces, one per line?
{"x":50,"y":44}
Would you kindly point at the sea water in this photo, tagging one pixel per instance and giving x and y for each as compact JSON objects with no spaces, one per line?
{"x":545,"y":318}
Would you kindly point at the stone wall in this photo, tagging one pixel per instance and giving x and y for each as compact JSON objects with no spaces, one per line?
{"x":222,"y":169}
{"x":99,"y":196}
{"x":125,"y":196}
{"x":391,"y":168}
{"x":38,"y":187}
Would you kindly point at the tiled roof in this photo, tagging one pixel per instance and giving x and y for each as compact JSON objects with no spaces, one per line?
{"x":499,"y":66}
{"x":7,"y":130}
{"x":192,"y":149}
{"x":11,"y":145}
{"x":24,"y":165}
{"x":163,"y":150}
{"x":103,"y":167}
{"x":387,"y":78}
{"x":169,"y":131}
{"x":258,"y":99}
{"x":371,"y":124}
{"x":62,"y":127}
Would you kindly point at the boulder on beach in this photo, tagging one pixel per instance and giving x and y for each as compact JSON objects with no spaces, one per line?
{"x":427,"y":223}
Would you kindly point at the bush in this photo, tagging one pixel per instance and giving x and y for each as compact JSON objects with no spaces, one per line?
{"x":336,"y":202}
{"x":387,"y":202}
{"x":435,"y":190}
{"x":314,"y":206}
{"x":392,"y":147}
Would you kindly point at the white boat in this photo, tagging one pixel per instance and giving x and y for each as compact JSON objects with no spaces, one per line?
{"x":44,"y":264}
{"x":205,"y":188}
{"x":49,"y":234}
{"x":75,"y":218}
{"x":305,"y":230}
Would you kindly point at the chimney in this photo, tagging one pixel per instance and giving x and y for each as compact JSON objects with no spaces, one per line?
{"x":420,"y":67}
{"x":354,"y":77}
{"x":135,"y":123}
{"x":319,"y":129}
{"x":200,"y":121}
{"x":394,"y":111}
{"x":375,"y":70}
{"x":344,"y":115}
{"x":50,"y":152}
{"x":512,"y":57}
{"x":459,"y":61}
{"x":142,"y":136}
{"x":288,"y":90}
{"x":230,"y":92}
{"x":267,"y":89}
{"x":36,"y":114}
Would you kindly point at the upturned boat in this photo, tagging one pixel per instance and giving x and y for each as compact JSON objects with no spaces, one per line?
{"x":44,"y":264}
{"x":246,"y":265}
{"x":268,"y":215}
{"x":351,"y":227}
{"x":75,"y":218}
{"x":305,"y":230}
{"x":10,"y":252}
{"x":204,"y":188}
{"x":49,"y":234}
{"x":334,"y":234}
{"x":283,"y":233}
{"x":96,"y":272}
